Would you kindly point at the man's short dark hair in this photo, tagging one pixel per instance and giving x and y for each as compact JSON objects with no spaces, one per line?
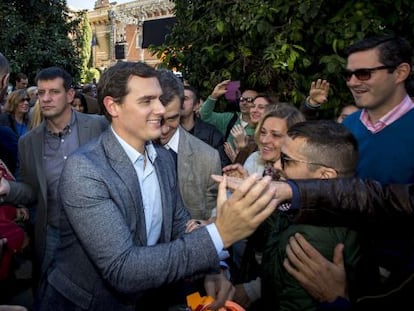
{"x":195,"y":92}
{"x":328,"y":143}
{"x":52,"y":73}
{"x":171,"y":87}
{"x":114,"y":81}
{"x":393,"y":50}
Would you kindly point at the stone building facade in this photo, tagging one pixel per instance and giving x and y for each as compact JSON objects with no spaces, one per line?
{"x":118,"y":30}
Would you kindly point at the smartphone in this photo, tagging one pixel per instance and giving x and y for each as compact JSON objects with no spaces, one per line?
{"x":233,"y":91}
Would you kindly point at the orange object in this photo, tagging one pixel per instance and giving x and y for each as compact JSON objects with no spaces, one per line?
{"x":198,"y":303}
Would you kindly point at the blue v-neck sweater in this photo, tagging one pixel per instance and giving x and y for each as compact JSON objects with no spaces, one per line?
{"x":386,"y":156}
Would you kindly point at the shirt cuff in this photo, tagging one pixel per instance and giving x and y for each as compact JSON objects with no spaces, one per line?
{"x":308,"y":104}
{"x":218,"y":242}
{"x":295,"y":202}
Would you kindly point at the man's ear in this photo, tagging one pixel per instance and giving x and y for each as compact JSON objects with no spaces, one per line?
{"x":70,"y":96}
{"x":5,"y":81}
{"x":111,"y":106}
{"x":327,"y":173}
{"x":403,"y":70}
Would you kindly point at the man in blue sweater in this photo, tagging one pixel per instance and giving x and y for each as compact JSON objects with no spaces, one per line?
{"x":377,"y":74}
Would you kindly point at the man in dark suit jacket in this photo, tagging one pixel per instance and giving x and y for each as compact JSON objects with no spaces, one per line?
{"x":200,"y":129}
{"x":43,"y":152}
{"x":123,"y":221}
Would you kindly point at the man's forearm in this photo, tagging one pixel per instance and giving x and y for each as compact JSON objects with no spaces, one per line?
{"x":357,"y":196}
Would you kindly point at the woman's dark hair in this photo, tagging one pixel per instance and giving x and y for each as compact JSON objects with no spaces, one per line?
{"x":81,"y":97}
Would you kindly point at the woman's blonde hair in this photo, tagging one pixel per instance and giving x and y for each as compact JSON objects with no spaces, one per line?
{"x":281,"y":110}
{"x":13,"y":99}
{"x":36,"y":116}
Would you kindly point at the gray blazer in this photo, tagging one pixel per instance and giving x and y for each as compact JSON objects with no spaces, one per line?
{"x":33,"y":187}
{"x":196,"y":162}
{"x":103,"y":262}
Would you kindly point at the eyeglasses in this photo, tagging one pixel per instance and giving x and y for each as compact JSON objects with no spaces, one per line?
{"x":25,"y":99}
{"x":284,"y":159}
{"x":247,"y":99}
{"x":363,"y":74}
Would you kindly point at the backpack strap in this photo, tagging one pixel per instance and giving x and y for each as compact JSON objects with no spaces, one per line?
{"x":230,"y":125}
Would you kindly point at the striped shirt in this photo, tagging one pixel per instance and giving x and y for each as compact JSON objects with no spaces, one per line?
{"x":397,"y":112}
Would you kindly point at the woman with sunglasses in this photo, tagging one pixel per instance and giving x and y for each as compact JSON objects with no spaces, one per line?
{"x":16,"y":112}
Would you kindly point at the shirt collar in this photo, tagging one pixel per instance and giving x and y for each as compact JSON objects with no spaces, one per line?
{"x":65,"y":130}
{"x":393,"y":115}
{"x":173,"y":142}
{"x":242,"y":122}
{"x":132,"y":153}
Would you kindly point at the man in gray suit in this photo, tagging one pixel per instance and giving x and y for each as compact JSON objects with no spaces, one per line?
{"x":196,"y":160}
{"x":123,"y":221}
{"x":43,"y":152}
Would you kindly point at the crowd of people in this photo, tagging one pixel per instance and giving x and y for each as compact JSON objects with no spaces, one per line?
{"x":135,"y":193}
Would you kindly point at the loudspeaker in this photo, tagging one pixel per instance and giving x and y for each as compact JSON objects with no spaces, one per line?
{"x":120,"y":50}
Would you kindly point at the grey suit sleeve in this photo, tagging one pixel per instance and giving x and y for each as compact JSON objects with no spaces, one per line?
{"x":21,"y":192}
{"x":100,"y":226}
{"x":212,"y":188}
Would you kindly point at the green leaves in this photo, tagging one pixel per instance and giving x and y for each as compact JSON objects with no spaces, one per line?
{"x":35,"y":34}
{"x":278,"y":46}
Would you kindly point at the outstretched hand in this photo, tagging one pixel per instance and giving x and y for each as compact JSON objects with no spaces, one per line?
{"x":283,"y":191}
{"x":324,"y":280}
{"x":319,"y":92}
{"x":235,"y":170}
{"x":248,"y":206}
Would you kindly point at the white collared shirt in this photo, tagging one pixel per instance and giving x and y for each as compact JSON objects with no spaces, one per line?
{"x":150,"y":188}
{"x":173,"y":142}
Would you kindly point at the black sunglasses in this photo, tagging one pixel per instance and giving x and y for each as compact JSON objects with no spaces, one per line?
{"x":363,"y":74}
{"x":284,"y":159}
{"x":25,"y":99}
{"x":247,"y":99}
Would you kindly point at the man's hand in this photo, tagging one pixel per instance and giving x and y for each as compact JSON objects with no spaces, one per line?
{"x":220,"y":89}
{"x":220,"y":288}
{"x":319,"y":92}
{"x":323,"y":279}
{"x":22,"y":213}
{"x":283,"y":190}
{"x":248,"y":206}
{"x":241,"y":297}
{"x":235,"y":170}
{"x":193,"y":224}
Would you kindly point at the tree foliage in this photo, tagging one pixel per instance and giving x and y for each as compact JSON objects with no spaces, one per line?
{"x":86,"y":47}
{"x":276,"y":45}
{"x":39,"y":33}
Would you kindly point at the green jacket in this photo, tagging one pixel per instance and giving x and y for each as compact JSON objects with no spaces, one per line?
{"x":279,"y":289}
{"x":221,"y":120}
